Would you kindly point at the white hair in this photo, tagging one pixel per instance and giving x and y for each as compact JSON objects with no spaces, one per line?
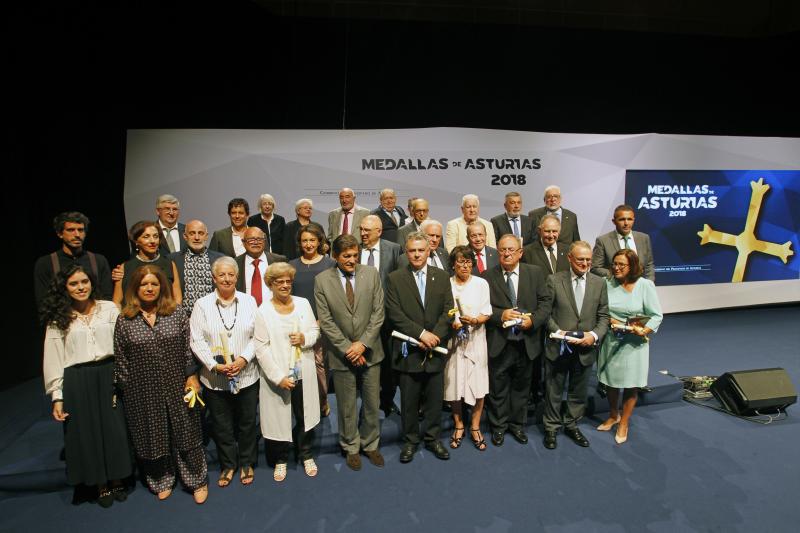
{"x":428,"y":223}
{"x":225,"y":261}
{"x":302,"y":201}
{"x":467,"y":197}
{"x":266,"y":197}
{"x":167,"y":199}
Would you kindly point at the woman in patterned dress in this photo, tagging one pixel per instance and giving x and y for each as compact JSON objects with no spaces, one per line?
{"x":154,"y":369}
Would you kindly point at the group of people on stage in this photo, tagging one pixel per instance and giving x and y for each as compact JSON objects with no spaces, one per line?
{"x":255,"y":325}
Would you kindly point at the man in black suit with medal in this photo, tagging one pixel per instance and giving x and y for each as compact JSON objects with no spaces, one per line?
{"x":418,"y":300}
{"x":518,"y":293}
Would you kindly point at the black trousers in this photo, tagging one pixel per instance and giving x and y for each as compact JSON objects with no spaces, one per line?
{"x":232,"y":418}
{"x":510,"y":375}
{"x":277,"y":450}
{"x":431,"y":387}
{"x":556,"y":374}
{"x":389,"y":377}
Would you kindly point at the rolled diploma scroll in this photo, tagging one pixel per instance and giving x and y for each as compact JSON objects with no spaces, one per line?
{"x":556,"y":336}
{"x":226,"y":354}
{"x":411,"y":340}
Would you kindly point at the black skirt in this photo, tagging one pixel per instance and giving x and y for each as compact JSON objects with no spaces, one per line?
{"x":95,"y":433}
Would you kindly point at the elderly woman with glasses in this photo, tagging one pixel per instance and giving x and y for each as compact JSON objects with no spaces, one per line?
{"x":624,"y":357}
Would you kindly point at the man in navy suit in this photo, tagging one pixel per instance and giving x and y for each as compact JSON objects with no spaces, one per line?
{"x":391,"y":215}
{"x":546,"y":251}
{"x":552,"y":205}
{"x":513,"y":221}
{"x":485,"y":256}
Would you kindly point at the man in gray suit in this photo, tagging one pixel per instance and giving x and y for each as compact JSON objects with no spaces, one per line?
{"x":623,"y":237}
{"x":546,"y":252}
{"x":552,"y":205}
{"x":347,"y":218}
{"x":194,"y":265}
{"x":579,"y":310}
{"x":420,"y":210}
{"x":485,"y":256}
{"x":513,"y":221}
{"x":349,"y":302}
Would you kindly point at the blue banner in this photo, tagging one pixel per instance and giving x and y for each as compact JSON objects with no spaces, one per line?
{"x":718,"y":226}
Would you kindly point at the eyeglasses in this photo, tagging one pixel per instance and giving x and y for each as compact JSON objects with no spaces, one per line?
{"x":507,"y":251}
{"x":255,"y":240}
{"x":282,"y":282}
{"x":463,"y":262}
{"x":552,"y":197}
{"x":621,"y":266}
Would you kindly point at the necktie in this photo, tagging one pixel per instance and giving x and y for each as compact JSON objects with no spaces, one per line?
{"x":396,"y":217}
{"x":371,"y":258}
{"x":168,"y":236}
{"x":431,"y":260}
{"x":269,"y":238}
{"x":481,"y":266}
{"x":255,"y":282}
{"x":345,"y":224}
{"x":627,"y":246}
{"x":515,"y":222}
{"x":348,"y":289}
{"x":552,"y":259}
{"x":511,"y":290}
{"x":421,"y":285}
{"x":579,"y":292}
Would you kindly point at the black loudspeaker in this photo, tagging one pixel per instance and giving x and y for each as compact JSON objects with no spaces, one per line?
{"x":751,"y":392}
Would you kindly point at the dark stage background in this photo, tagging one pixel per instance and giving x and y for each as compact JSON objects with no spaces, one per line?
{"x":83,"y":74}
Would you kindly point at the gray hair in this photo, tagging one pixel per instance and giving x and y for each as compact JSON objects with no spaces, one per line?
{"x":468,"y":197}
{"x":549,"y":217}
{"x":476,"y":223}
{"x":266,"y":198}
{"x":417,"y":236}
{"x":225,"y":261}
{"x":510,"y":236}
{"x":386,"y":192}
{"x":580,"y":244}
{"x":430,"y":222}
{"x":167,"y":199}
{"x":302,"y":201}
{"x":552,"y":188}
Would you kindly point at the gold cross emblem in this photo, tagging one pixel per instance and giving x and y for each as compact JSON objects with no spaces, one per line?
{"x":746,"y":241}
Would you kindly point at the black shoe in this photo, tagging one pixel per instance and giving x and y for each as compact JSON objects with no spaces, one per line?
{"x":498,"y":437}
{"x":407,"y":453}
{"x":437,"y":449}
{"x":576,"y":435}
{"x":390,"y":409}
{"x":550,"y":440}
{"x":119,"y":492}
{"x":105,"y":498}
{"x":519,"y":436}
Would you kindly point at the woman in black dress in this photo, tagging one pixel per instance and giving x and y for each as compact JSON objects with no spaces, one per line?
{"x":145,"y":238}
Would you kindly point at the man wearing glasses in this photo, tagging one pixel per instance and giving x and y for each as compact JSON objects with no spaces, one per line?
{"x":519,"y":302}
{"x":168,"y":208}
{"x":253,"y":263}
{"x":552,"y":206}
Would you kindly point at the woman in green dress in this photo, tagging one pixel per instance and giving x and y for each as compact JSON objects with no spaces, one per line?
{"x":624,"y":357}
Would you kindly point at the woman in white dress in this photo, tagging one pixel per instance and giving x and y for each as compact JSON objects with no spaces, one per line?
{"x":466,"y":375}
{"x":285,"y":334}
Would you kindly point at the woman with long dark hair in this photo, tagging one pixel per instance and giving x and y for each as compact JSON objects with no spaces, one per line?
{"x":79,"y":377}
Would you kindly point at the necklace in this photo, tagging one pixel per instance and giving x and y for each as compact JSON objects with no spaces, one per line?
{"x":235,"y":316}
{"x":145,"y":260}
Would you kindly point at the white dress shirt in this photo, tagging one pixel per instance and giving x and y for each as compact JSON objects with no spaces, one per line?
{"x":631,"y":244}
{"x":248,"y":275}
{"x":376,"y":255}
{"x":172,"y":234}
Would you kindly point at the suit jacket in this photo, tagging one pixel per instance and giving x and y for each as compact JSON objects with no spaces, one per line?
{"x":390,"y":227}
{"x":569,"y":224}
{"x":526,"y":228}
{"x":564,"y":315}
{"x":290,"y":249}
{"x":406,"y":314}
{"x":456,"y":233}
{"x":241,"y":283}
{"x":342,"y":324}
{"x":388,"y":261}
{"x":222,"y":242}
{"x":440,"y":253}
{"x":179,"y":258}
{"x":404,"y":232}
{"x":534,"y":254}
{"x":531,"y":297}
{"x":492,"y":260}
{"x":335,"y":220}
{"x":163,"y":248}
{"x":276,"y":229}
{"x":607,"y":245}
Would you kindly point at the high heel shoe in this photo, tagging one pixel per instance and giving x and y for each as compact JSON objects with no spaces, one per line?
{"x":608,"y":424}
{"x":618,"y":438}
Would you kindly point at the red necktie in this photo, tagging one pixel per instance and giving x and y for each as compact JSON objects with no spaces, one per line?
{"x":481,"y":266}
{"x":345,"y":225}
{"x":255,"y":283}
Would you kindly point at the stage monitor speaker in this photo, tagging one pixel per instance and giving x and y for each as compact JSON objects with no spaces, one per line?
{"x":751,"y":392}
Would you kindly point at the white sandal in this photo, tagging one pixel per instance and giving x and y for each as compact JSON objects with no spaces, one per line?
{"x":280,"y":472}
{"x":310,"y":467}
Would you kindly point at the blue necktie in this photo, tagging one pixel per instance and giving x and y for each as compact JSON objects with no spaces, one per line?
{"x":515,"y":221}
{"x":421,"y":285}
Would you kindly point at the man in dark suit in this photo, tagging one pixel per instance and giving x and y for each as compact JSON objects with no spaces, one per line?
{"x":546,"y":252}
{"x":168,"y":208}
{"x":419,"y":212}
{"x":194,"y":265}
{"x":485,"y":256}
{"x":349,"y":302}
{"x":513,"y":221}
{"x":438,"y":257}
{"x":253,"y":263}
{"x":552,"y":205}
{"x":579,"y":302}
{"x":228,"y":241}
{"x":517,"y":292}
{"x":272,"y":224}
{"x":384,"y":256}
{"x":623,"y":236}
{"x":391,"y":215}
{"x":418,"y":300}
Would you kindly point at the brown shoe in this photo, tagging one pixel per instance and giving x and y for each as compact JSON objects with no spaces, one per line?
{"x":353,"y":461}
{"x":200,"y":495}
{"x":374,"y":457}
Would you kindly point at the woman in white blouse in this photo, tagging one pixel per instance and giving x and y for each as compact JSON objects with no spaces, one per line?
{"x":222,"y":340}
{"x":285,"y":333}
{"x":79,"y":377}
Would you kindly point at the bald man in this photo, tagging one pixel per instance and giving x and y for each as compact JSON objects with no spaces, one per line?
{"x":194,"y":264}
{"x":346,"y":218}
